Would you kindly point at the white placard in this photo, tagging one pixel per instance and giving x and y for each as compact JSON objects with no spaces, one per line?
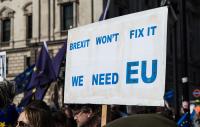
{"x":118,"y":61}
{"x":2,"y":66}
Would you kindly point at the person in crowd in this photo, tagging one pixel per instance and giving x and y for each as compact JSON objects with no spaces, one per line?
{"x":61,"y":120}
{"x":8,"y":111}
{"x":39,"y":104}
{"x":7,"y":93}
{"x":185,"y":107}
{"x":168,"y":111}
{"x":196,"y":117}
{"x":35,"y":116}
{"x":68,"y":112}
{"x":88,"y":116}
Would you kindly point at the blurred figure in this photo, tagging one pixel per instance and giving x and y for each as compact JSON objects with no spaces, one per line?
{"x":88,"y":116}
{"x":35,"y":116}
{"x":61,"y":120}
{"x":168,"y":111}
{"x":196,"y":118}
{"x":185,"y":107}
{"x":8,"y":111}
{"x":68,"y":112}
{"x":7,"y":93}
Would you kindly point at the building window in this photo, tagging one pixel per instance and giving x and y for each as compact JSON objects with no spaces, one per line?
{"x":28,"y":13}
{"x":7,"y":65}
{"x":6,"y":26}
{"x":29,"y":27}
{"x":6,"y":30}
{"x":67,"y":16}
{"x":27,"y":62}
{"x":3,"y":66}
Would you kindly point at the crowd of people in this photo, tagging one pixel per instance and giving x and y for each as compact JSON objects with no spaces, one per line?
{"x":38,"y":114}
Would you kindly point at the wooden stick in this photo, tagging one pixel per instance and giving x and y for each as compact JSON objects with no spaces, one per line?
{"x":104,"y":115}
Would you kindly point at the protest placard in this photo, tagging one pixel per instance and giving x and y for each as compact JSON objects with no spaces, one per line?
{"x":118,"y":61}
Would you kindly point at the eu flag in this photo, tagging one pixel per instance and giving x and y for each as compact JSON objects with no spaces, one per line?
{"x":34,"y":94}
{"x":8,"y":116}
{"x":41,"y":91}
{"x":58,"y":59}
{"x":43,"y":72}
{"x":27,"y":98}
{"x":184,"y":121}
{"x":22,"y":80}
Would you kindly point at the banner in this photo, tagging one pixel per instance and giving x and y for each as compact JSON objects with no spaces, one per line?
{"x":2,"y":65}
{"x":118,"y":61}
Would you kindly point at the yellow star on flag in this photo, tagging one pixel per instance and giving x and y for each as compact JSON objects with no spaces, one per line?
{"x":2,"y":124}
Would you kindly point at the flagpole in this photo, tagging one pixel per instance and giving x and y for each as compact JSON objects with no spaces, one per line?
{"x":104,"y":113}
{"x":106,"y":9}
{"x":92,"y":10}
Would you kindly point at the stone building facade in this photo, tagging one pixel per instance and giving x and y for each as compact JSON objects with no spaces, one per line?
{"x":25,"y":24}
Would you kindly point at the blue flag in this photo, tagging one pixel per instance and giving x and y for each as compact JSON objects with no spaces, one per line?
{"x":184,"y":121}
{"x":26,"y":99}
{"x":44,"y":71}
{"x":41,"y":91}
{"x":22,"y":80}
{"x":34,"y":94}
{"x":8,"y":116}
{"x":58,"y":59}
